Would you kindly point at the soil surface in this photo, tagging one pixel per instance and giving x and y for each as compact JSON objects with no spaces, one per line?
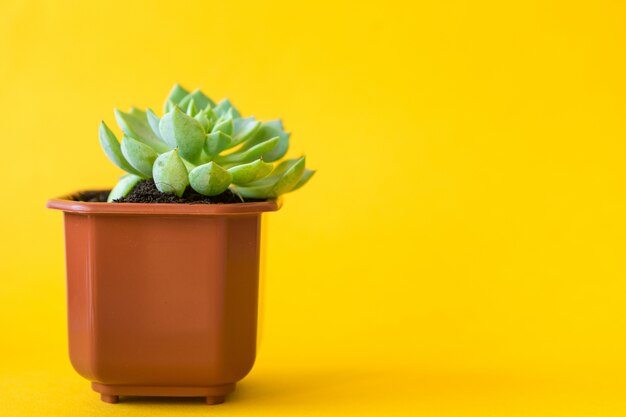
{"x":98,"y":196}
{"x":146,"y":192}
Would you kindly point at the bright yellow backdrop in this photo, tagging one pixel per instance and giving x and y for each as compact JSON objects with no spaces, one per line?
{"x":461,"y":250}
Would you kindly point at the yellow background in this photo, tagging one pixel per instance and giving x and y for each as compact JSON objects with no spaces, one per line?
{"x":460,"y":251}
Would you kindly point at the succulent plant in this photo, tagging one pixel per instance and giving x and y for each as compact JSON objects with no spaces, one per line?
{"x":206,"y":146}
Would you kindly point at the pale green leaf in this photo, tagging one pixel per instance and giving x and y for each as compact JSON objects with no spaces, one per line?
{"x":112,"y":149}
{"x":138,"y":113}
{"x":176,"y":95}
{"x":274,"y":186}
{"x":275,"y":174}
{"x":306,"y":176}
{"x":202,"y":101}
{"x":284,"y":166}
{"x":244,"y":129}
{"x":216,"y":142}
{"x":139,"y":155}
{"x":210,"y":179}
{"x":166,"y":128}
{"x":249,"y":154}
{"x":140,"y":130}
{"x":289,"y":179}
{"x":259,"y":192}
{"x":224,"y":106}
{"x":168,"y":107}
{"x":276,"y":124}
{"x":123,"y":187}
{"x":153,"y":121}
{"x":225,"y":126}
{"x":191,"y":108}
{"x":183,"y":131}
{"x":245,"y":173}
{"x":269,"y":130}
{"x":211,"y":115}
{"x":170,"y":173}
{"x":188,"y":165}
{"x":204,"y":121}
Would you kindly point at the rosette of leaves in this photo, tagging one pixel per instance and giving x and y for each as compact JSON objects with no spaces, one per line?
{"x":206,"y":146}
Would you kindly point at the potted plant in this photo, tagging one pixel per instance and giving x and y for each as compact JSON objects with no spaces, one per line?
{"x":162,"y":271}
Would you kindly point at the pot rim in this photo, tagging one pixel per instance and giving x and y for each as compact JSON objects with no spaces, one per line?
{"x":67,"y":204}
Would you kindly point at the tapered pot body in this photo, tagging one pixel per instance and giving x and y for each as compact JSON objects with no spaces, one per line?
{"x":162,"y":298}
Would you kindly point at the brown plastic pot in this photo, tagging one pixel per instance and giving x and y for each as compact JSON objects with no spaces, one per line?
{"x":162,"y":298}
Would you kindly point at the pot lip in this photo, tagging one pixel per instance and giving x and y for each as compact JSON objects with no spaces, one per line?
{"x":67,"y":204}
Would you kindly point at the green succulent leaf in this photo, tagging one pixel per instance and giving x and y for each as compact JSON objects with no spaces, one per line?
{"x":204,"y":121}
{"x":138,"y":113}
{"x":123,"y":187}
{"x":198,"y":96}
{"x":250,"y":154}
{"x":244,"y":129}
{"x":202,"y":100}
{"x":245,"y":173}
{"x":284,"y":166}
{"x":176,"y":95}
{"x":279,"y":150}
{"x":210,"y":179}
{"x":306,"y":176}
{"x":170,"y":173}
{"x":225,"y":126}
{"x":140,"y":130}
{"x":276,"y":124}
{"x":210,"y":113}
{"x":269,"y":130}
{"x":192,"y":110}
{"x":112,"y":149}
{"x":207,"y":119}
{"x":153,"y":121}
{"x":279,"y":170}
{"x":216,"y":142}
{"x":224,"y":106}
{"x":139,"y":155}
{"x":179,"y":129}
{"x":276,"y":185}
{"x":290,"y":178}
{"x":166,"y":128}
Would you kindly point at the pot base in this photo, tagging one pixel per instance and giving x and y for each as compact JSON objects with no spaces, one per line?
{"x":214,"y":395}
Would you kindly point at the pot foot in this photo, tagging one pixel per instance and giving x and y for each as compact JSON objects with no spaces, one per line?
{"x":214,"y":400}
{"x":214,"y":394}
{"x":111,"y":399}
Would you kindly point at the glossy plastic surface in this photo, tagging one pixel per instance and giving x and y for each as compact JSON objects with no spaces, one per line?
{"x":162,"y":298}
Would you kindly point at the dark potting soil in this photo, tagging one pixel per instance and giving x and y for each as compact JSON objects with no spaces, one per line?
{"x":98,"y":196}
{"x":146,"y":192}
